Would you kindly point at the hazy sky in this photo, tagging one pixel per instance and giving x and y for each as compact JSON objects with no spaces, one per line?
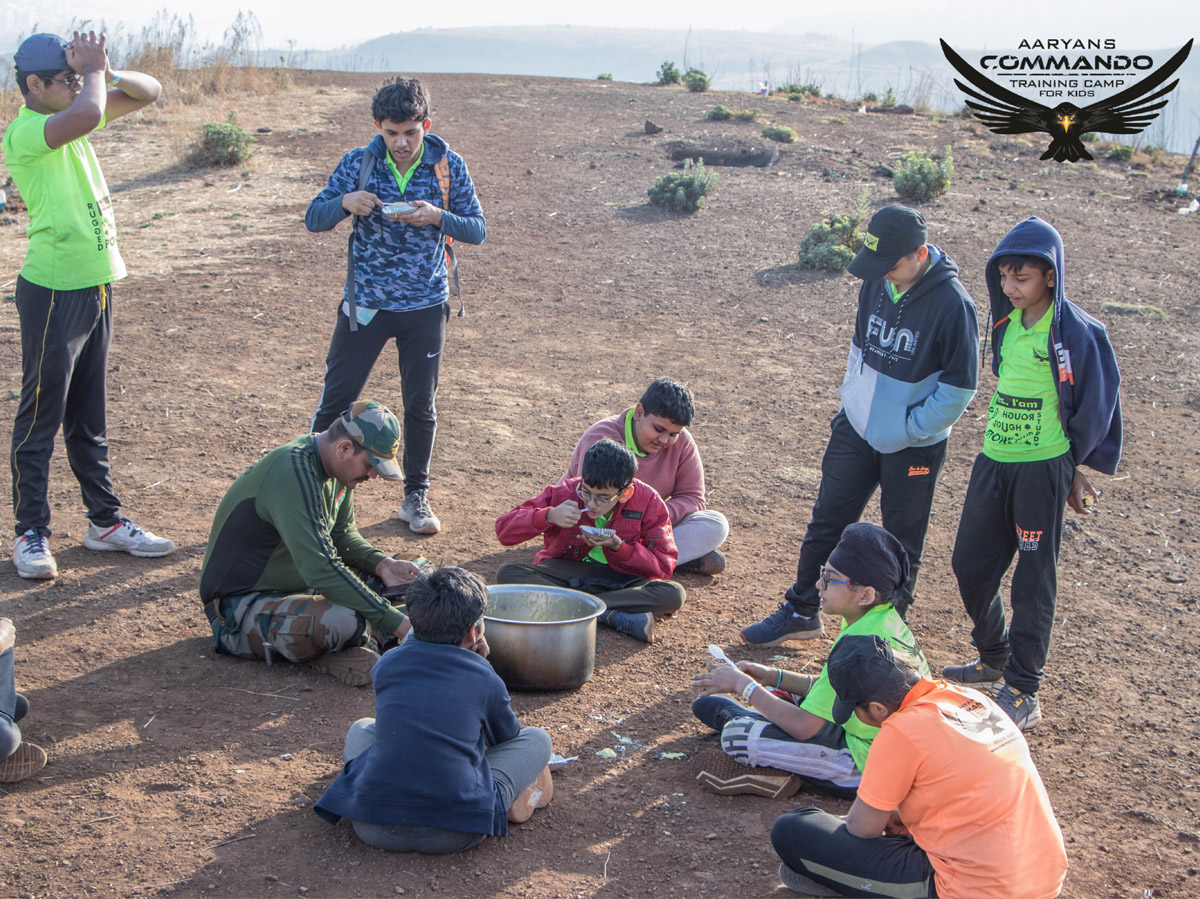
{"x":1152,"y":24}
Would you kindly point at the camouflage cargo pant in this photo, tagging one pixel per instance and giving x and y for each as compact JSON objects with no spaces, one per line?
{"x":298,"y":627}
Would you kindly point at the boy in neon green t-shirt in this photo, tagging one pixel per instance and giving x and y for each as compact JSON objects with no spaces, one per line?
{"x":1057,"y":405}
{"x":63,"y":293}
{"x":864,"y":582}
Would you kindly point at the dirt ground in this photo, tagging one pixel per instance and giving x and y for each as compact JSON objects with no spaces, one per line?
{"x":174,"y":772}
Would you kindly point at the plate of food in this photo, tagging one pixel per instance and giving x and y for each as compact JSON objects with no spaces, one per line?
{"x":596,"y":532}
{"x":395,"y":210}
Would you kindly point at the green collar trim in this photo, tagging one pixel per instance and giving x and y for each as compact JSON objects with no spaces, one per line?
{"x":629,"y":441}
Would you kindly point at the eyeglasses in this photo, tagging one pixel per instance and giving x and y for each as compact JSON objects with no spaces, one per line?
{"x":70,"y":80}
{"x":826,"y":580}
{"x":588,"y":497}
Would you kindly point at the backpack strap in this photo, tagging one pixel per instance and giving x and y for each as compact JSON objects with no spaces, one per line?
{"x":365,"y":168}
{"x":442,"y":169}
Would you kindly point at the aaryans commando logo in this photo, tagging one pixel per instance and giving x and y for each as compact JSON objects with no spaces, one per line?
{"x":1126,"y":112}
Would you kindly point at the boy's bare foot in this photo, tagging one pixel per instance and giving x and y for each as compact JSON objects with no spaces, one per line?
{"x":537,"y":796}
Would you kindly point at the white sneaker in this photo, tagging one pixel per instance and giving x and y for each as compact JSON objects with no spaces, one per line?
{"x":31,"y":555}
{"x":417,"y":513}
{"x":129,"y":537}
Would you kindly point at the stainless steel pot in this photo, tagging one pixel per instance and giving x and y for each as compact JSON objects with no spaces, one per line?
{"x":542,"y":638}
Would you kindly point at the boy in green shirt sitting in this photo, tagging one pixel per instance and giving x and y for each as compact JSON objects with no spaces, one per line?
{"x":864,"y":582}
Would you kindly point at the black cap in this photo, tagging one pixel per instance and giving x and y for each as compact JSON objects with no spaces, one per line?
{"x":862,"y":669}
{"x":893,"y":233}
{"x":871,"y":556}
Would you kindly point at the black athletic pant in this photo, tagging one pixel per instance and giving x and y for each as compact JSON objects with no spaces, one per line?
{"x":1012,"y":508}
{"x":850,"y":472}
{"x":817,"y":844}
{"x":620,"y":592}
{"x":420,"y":336}
{"x":64,"y":360}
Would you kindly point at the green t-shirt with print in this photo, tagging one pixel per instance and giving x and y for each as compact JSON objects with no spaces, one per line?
{"x":881,"y":621}
{"x":1023,"y":423}
{"x":596,"y":553}
{"x":72,"y":233}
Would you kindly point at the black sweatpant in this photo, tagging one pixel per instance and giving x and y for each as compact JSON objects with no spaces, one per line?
{"x":65,"y":336}
{"x":850,"y":472}
{"x":620,"y":592}
{"x":817,"y":844}
{"x":1012,"y":508}
{"x":420,"y":336}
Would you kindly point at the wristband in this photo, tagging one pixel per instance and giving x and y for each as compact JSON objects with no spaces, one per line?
{"x":779,"y":682}
{"x":116,"y":80}
{"x":749,"y":691}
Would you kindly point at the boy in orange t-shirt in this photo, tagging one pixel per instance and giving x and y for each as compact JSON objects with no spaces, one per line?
{"x":950,"y":804}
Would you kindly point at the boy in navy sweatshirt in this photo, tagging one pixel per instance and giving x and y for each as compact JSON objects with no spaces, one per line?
{"x":445,"y":763}
{"x":913,"y":368}
{"x":1057,"y":405}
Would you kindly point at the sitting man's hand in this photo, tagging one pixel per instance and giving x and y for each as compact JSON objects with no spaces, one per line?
{"x":481,"y":646}
{"x":402,"y":631}
{"x":612,"y":542}
{"x":565,"y":515}
{"x":394,"y":572}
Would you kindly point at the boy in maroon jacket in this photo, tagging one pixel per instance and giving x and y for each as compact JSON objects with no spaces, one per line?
{"x":627,"y":565}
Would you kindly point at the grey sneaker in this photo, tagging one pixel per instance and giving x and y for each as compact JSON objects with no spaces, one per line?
{"x":976,"y":673}
{"x":351,"y":666}
{"x":27,"y":761}
{"x":783,"y":624}
{"x":128,"y":537}
{"x":710,"y":563}
{"x":639,"y":625}
{"x":415,"y":510}
{"x":31,"y":555}
{"x":802,"y":883}
{"x":1023,"y":708}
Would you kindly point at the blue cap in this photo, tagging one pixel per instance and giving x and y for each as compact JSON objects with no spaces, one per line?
{"x":41,"y":53}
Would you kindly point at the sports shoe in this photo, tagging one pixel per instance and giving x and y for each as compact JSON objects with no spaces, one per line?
{"x":31,"y":555}
{"x":415,"y":510}
{"x":720,"y":774}
{"x":1023,"y":708}
{"x":27,"y":761}
{"x":639,"y":625}
{"x":783,"y":624}
{"x":351,"y":666}
{"x":710,"y":563}
{"x":976,"y":674}
{"x":802,"y":883}
{"x":128,"y":537}
{"x":537,"y":795}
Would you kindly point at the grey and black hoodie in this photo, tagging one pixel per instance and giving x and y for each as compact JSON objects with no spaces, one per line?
{"x":914,"y":364}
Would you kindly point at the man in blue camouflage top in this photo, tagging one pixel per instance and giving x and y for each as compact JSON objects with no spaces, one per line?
{"x":399,"y":284}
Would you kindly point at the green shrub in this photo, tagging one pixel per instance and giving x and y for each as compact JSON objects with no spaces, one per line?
{"x":604,"y":76}
{"x":920,"y":178}
{"x":795,"y":98}
{"x":719,"y":113}
{"x":695,"y":81}
{"x":668,"y":73}
{"x":223,"y":143}
{"x":832,"y":243}
{"x":870,"y":99}
{"x":811,"y":89}
{"x":684,"y":191}
{"x":781,"y":133}
{"x":749,"y":115}
{"x":889,"y":99}
{"x":1120,"y":152}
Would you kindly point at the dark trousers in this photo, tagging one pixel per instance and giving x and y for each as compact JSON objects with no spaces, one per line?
{"x":817,"y":844}
{"x":620,"y":592}
{"x":64,"y":361}
{"x":420,"y":336}
{"x":850,"y":472}
{"x":1012,"y":508}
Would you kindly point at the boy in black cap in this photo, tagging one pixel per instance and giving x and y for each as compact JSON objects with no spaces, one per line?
{"x":64,"y":291}
{"x":913,"y":367}
{"x":950,"y":803}
{"x":864,"y":584}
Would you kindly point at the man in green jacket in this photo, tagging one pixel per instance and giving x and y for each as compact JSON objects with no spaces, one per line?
{"x":286,"y":573}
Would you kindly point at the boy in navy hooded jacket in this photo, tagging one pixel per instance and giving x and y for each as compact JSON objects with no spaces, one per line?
{"x":1057,"y":405}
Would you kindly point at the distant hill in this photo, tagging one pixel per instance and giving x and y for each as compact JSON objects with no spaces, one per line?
{"x":915,"y":71}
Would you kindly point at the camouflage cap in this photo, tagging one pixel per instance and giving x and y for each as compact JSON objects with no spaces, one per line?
{"x":375,"y":429}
